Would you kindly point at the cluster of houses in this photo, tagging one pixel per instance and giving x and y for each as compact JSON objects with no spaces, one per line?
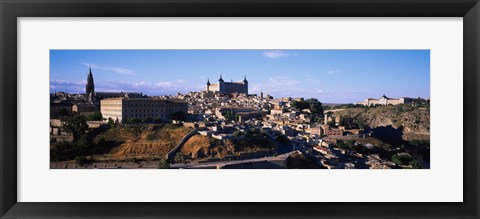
{"x":227,"y":115}
{"x":222,"y":116}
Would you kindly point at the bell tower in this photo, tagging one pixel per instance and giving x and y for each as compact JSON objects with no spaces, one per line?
{"x":221,"y":85}
{"x":245,"y":85}
{"x":208,"y":85}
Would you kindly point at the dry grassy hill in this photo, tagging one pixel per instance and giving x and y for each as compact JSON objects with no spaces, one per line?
{"x":141,"y":142}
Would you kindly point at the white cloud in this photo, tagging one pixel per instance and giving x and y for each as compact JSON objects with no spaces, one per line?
{"x":314,"y":81}
{"x":332,"y":72}
{"x":351,"y":92}
{"x":164,"y":84}
{"x":181,"y":81}
{"x":321,"y":91}
{"x":278,"y":86}
{"x":275,"y":54}
{"x":151,"y":88}
{"x":282,"y":81}
{"x":62,"y":85}
{"x":118,"y":70}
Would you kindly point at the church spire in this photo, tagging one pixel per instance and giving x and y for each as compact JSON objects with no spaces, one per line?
{"x":245,"y":79}
{"x":208,"y":82}
{"x":221,"y":79}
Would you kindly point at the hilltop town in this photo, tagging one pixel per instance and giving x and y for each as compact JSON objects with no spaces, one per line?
{"x":224,"y":126}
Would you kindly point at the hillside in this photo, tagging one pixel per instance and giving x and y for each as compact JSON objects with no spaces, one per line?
{"x":200,"y":147}
{"x":412,"y":121}
{"x":140,"y":142}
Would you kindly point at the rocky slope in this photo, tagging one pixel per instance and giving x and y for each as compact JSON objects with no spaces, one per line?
{"x":200,"y":147}
{"x":413,"y":121}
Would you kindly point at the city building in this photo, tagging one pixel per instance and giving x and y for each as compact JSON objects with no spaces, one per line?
{"x":123,"y":109}
{"x":58,"y":109}
{"x":384,"y":100}
{"x":316,"y":130}
{"x":219,"y":112}
{"x":228,"y":87}
{"x":274,"y":112}
{"x":84,"y":109}
{"x":103,"y":95}
{"x":333,"y":132}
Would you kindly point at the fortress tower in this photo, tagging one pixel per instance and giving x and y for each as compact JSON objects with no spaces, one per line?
{"x":228,"y":87}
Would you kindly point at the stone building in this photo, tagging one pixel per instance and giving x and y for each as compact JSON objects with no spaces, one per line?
{"x":228,"y":87}
{"x":316,"y":130}
{"x":58,"y":109}
{"x":219,"y":112}
{"x":384,"y":100}
{"x":123,"y":109}
{"x":84,"y":109}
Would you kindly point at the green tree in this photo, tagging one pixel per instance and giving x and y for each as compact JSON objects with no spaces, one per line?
{"x":148,"y":120}
{"x":347,"y":145}
{"x":80,"y":160}
{"x":76,"y":125}
{"x":349,"y":123}
{"x":133,"y":120}
{"x":60,"y":113}
{"x":314,"y":105}
{"x":342,"y":145}
{"x":415,"y":164}
{"x":62,"y":151}
{"x":111,"y":123}
{"x":315,"y":119}
{"x":228,"y":115}
{"x":402,"y":158}
{"x":300,"y":104}
{"x":179,"y":158}
{"x":331,"y":123}
{"x":100,"y":145}
{"x":83,"y":144}
{"x":96,"y":116}
{"x":164,"y":164}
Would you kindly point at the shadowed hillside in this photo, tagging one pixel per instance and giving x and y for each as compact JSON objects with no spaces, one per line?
{"x":407,"y":121}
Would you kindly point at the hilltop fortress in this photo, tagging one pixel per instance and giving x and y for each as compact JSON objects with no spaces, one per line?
{"x":384,"y":100}
{"x":228,"y":87}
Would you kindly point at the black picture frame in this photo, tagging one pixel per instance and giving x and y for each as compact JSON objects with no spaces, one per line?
{"x":10,"y":10}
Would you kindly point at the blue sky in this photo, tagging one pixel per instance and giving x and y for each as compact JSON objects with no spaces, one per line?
{"x":332,"y":76}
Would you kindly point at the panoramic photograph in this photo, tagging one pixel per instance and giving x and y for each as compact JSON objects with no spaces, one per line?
{"x":239,"y":109}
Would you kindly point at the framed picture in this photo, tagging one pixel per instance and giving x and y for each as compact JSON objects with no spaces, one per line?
{"x":239,"y":109}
